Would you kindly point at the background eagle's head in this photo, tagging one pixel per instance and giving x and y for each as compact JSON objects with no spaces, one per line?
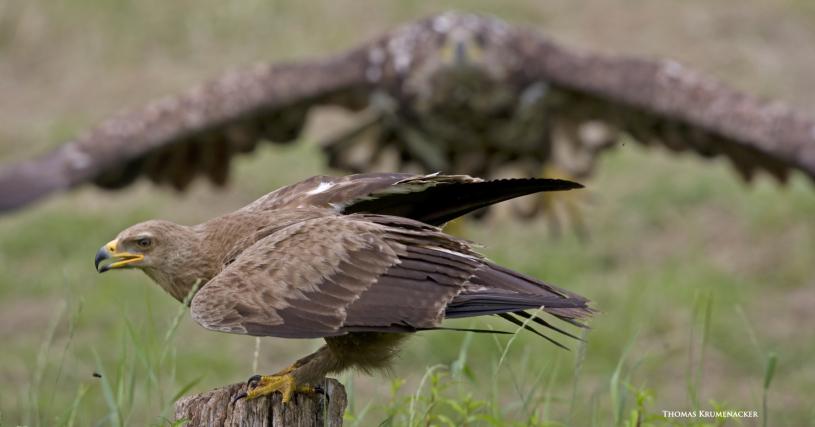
{"x":462,"y":61}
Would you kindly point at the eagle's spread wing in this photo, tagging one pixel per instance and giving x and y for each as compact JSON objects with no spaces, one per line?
{"x":476,"y":94}
{"x":432,"y":199}
{"x":662,"y":102}
{"x":339,"y":274}
{"x":506,"y":108}
{"x":175,"y":139}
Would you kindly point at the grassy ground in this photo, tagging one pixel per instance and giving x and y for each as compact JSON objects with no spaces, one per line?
{"x":700,"y":280}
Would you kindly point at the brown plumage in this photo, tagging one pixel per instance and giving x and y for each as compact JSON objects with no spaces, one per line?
{"x":357,"y":260}
{"x":456,"y":93}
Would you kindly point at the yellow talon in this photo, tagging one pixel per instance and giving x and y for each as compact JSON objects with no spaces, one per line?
{"x":264,"y":385}
{"x":268,"y":384}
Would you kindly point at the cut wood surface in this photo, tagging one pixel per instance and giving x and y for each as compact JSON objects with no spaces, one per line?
{"x":216,"y":408}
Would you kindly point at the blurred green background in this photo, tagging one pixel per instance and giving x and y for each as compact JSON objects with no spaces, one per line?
{"x":698,"y":278}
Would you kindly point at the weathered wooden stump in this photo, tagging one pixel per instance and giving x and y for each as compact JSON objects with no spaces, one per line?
{"x":215,"y":408}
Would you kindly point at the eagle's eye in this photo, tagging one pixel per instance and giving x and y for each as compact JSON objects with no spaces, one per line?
{"x":144,"y":242}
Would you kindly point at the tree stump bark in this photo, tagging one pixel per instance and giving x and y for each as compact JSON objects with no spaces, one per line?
{"x":215,"y":408}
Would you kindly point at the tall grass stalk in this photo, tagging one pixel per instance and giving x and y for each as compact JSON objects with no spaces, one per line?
{"x":580,"y":358}
{"x":72,"y":320}
{"x":514,"y":336}
{"x":459,"y":366}
{"x":114,"y":416}
{"x":412,"y":408}
{"x":529,"y":396}
{"x":70,"y":417}
{"x":702,"y":311}
{"x":167,"y":348}
{"x":256,"y":355}
{"x":769,"y":372}
{"x":42,"y":364}
{"x":550,"y":385}
{"x":617,"y":392}
{"x":750,"y":330}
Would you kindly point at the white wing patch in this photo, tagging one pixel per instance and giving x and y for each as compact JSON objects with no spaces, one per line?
{"x":448,"y":251}
{"x":324,"y":186}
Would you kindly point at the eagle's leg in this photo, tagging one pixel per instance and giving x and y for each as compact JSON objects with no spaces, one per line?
{"x":341,"y":148}
{"x":570,"y":202}
{"x":363,"y":350}
{"x":300,"y":377}
{"x":423,"y":149}
{"x":559,"y":205}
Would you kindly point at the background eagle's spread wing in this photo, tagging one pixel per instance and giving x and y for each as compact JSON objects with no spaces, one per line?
{"x":342,"y":274}
{"x":174,"y":139}
{"x":663,"y":102}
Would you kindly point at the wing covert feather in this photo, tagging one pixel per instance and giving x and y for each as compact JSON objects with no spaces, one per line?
{"x":337,"y":274}
{"x":297,"y":282}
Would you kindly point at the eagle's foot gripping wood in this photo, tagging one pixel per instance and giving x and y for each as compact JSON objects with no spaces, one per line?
{"x":220,"y":407}
{"x":263,"y":385}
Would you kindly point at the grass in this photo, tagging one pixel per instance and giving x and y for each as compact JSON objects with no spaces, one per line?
{"x":444,"y":396}
{"x":704,"y":285}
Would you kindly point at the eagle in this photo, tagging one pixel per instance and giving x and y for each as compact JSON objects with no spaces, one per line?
{"x":357,"y":260}
{"x":457,"y":93}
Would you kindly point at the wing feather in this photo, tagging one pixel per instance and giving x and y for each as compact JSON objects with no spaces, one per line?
{"x":166,"y":140}
{"x":664,"y":102}
{"x":433,"y":199}
{"x":338,"y":274}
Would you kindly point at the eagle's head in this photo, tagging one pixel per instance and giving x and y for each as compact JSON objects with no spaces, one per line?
{"x":464,"y":63}
{"x":171,"y":254}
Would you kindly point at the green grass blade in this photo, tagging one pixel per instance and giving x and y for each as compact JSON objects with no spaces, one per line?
{"x":769,"y":372}
{"x":114,"y":412}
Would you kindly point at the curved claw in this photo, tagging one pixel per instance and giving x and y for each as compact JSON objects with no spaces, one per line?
{"x":240,"y":396}
{"x":253,"y":381}
{"x":283,"y":382}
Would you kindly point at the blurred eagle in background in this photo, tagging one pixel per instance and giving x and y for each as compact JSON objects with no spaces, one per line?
{"x":456,"y":93}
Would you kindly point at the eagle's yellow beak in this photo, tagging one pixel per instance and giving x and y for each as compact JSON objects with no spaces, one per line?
{"x":114,"y":259}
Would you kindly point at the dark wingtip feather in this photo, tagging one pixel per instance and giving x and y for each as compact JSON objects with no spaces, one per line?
{"x":438,"y":199}
{"x":476,"y":330}
{"x":523,"y":325}
{"x":545,"y":324}
{"x":572,"y":321}
{"x":544,"y":184}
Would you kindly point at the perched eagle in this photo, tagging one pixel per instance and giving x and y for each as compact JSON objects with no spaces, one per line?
{"x":456,"y":93}
{"x":357,"y":260}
